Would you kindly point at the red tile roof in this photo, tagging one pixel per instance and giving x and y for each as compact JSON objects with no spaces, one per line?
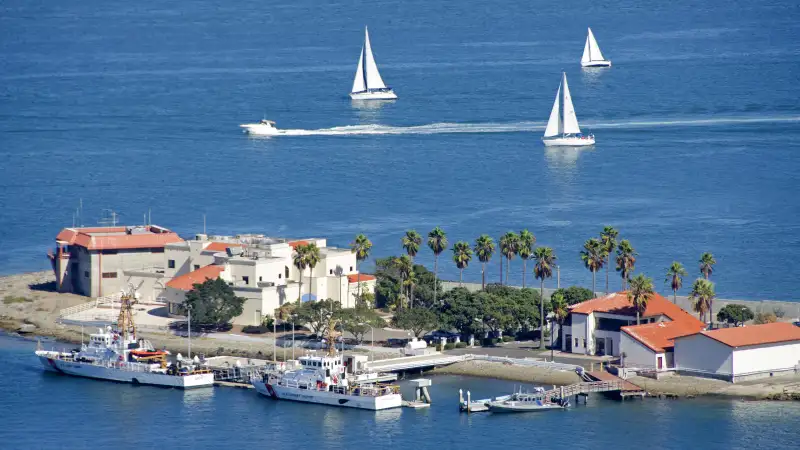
{"x":187,"y":281}
{"x":220,"y":246}
{"x":116,"y":238}
{"x":295,"y":244}
{"x":659,"y":336}
{"x":359,"y":278}
{"x":769,"y":333}
{"x":618,"y":303}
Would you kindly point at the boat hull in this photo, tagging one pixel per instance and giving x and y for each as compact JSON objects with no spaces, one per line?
{"x":603,"y":63}
{"x":260,"y":130}
{"x":521,"y":409}
{"x":328,"y":398}
{"x":124,"y":376}
{"x":569,"y":141}
{"x":374,"y":95}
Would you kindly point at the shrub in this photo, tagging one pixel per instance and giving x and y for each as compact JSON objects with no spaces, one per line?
{"x":256,"y":329}
{"x":461,"y":345}
{"x":508,"y":338}
{"x":449,"y":346}
{"x":10,"y":299}
{"x":489,"y":342}
{"x":762,"y":318}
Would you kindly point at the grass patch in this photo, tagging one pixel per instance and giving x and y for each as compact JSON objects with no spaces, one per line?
{"x":11,"y":299}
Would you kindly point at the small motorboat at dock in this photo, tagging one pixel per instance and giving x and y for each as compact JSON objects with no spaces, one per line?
{"x":526,"y":402}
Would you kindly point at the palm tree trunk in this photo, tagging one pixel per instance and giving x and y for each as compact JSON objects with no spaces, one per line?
{"x":675,"y":296}
{"x":711,"y":312}
{"x":461,"y":278}
{"x":638,"y":322}
{"x":435,"y":276}
{"x":541,"y":315}
{"x":594,"y":287}
{"x":607,"y":263}
{"x":524,"y":269}
{"x":501,"y":270}
{"x":483,"y":275}
{"x":508,"y":269}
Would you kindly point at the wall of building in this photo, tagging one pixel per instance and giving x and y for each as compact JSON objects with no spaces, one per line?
{"x":611,"y":338}
{"x":703,"y":355}
{"x":149,"y":285}
{"x":636,"y":353}
{"x":579,"y":332}
{"x":766,"y":358}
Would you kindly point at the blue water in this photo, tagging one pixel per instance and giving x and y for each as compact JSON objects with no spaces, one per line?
{"x":135,"y":106}
{"x":44,"y":410}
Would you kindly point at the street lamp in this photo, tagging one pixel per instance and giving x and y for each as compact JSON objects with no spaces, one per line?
{"x":558,"y":277}
{"x":293,"y":317}
{"x":371,"y":341}
{"x":188,"y":328}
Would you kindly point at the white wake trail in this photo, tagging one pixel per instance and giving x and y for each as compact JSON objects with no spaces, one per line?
{"x":518,"y":127}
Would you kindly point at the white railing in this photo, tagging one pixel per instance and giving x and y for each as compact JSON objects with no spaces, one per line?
{"x":418,"y":362}
{"x":107,"y":300}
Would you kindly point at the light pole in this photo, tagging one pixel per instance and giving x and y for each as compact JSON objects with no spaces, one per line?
{"x":189,"y":328}
{"x":275,"y":339}
{"x":371,"y":341}
{"x":558,"y":277}
{"x":293,"y":316}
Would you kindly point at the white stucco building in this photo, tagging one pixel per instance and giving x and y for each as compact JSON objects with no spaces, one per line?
{"x":740,"y":353}
{"x":651,"y":346}
{"x":594,"y":327}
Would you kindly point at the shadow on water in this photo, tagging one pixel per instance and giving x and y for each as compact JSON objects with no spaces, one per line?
{"x":564,"y":157}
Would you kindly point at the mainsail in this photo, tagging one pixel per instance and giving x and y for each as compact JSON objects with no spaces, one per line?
{"x":591,"y":51}
{"x":562,"y":116}
{"x":367,"y":75}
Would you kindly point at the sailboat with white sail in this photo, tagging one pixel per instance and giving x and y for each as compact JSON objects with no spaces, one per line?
{"x":562,"y":128}
{"x":368,"y":84}
{"x":592,"y":56}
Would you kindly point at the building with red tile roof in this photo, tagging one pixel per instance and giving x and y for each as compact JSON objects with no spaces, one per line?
{"x":187,"y":281}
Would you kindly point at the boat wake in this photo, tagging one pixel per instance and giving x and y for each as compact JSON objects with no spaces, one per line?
{"x":517,"y":127}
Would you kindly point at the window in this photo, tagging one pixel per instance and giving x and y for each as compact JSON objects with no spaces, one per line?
{"x":86,"y":273}
{"x":331,"y":271}
{"x":157,"y":250}
{"x":583,"y":341}
{"x":260,"y":278}
{"x":351,"y":268}
{"x":109,"y":274}
{"x":576,"y":342}
{"x":171,"y":263}
{"x":279,"y":276}
{"x":246,"y":280}
{"x":196,"y":266}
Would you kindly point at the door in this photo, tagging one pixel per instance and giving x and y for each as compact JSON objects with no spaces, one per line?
{"x":660,"y":363}
{"x":610,"y":346}
{"x":568,"y":338}
{"x":601,"y":347}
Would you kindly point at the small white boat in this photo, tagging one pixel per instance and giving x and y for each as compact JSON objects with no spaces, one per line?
{"x":263,"y":128}
{"x":523,"y":402}
{"x":562,"y":127}
{"x":368,"y":84}
{"x":592,"y":56}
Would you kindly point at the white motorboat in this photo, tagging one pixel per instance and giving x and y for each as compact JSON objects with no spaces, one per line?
{"x":562,"y":127}
{"x":368,"y":84}
{"x":325,"y":380}
{"x":524,"y":402}
{"x":592,"y":56}
{"x":262,"y":128}
{"x":115,"y":354}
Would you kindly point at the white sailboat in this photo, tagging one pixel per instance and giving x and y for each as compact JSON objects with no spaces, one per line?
{"x":368,"y":84}
{"x":562,"y":128}
{"x":592,"y":56}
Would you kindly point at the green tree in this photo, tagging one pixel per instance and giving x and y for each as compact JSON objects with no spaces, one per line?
{"x":626,"y":261}
{"x":639,"y":294}
{"x":484,"y":249}
{"x":609,"y":237}
{"x":300,"y":262}
{"x":213,"y":302}
{"x":763,"y":318}
{"x":361,"y":246}
{"x":411,"y":243}
{"x":575,"y":294}
{"x":357,"y":321}
{"x":702,"y":296}
{"x":735,"y":314}
{"x":593,"y":258}
{"x":317,"y":315}
{"x":675,"y":275}
{"x":437,"y":241}
{"x":462,"y":255}
{"x":462,"y":311}
{"x":405,"y":267}
{"x":312,"y":257}
{"x":545,"y":259}
{"x":498,"y":311}
{"x":509,"y":243}
{"x":525,"y":249}
{"x":560,"y":309}
{"x":365,"y":299}
{"x":417,"y":320}
{"x":707,"y":262}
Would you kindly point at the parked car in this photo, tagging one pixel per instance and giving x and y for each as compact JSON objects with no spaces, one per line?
{"x":395,"y":342}
{"x":436,"y":336}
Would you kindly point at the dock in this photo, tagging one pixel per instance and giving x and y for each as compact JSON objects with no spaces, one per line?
{"x":625,"y":388}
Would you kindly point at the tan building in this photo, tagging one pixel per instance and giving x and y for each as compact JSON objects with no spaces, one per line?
{"x":95,"y":261}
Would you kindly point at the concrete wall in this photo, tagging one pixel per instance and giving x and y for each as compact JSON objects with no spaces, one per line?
{"x":149,"y":285}
{"x":766,"y":358}
{"x":703,"y":355}
{"x":636,"y":353}
{"x":579,"y":332}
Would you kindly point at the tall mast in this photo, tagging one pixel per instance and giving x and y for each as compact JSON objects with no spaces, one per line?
{"x":563,"y":100}
{"x":364,"y":66}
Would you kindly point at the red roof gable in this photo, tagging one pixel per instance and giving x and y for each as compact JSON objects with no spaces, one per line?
{"x":295,"y":244}
{"x":618,"y":303}
{"x":187,"y":281}
{"x":359,"y":278}
{"x":116,"y":238}
{"x":220,"y":246}
{"x":768,"y":333}
{"x":659,"y":336}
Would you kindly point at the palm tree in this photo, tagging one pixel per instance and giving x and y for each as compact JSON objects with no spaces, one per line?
{"x":639,"y":294}
{"x":411,"y":242}
{"x":524,"y":250}
{"x":462,"y":255}
{"x":312,"y":258}
{"x":707,"y":262}
{"x":484,"y":249}
{"x":702,"y":297}
{"x":437,"y":241}
{"x":410,"y":282}
{"x":675,"y":275}
{"x":361,"y":246}
{"x":593,"y":257}
{"x":405,"y":266}
{"x":560,"y":312}
{"x":609,"y":239}
{"x":299,"y":261}
{"x":508,"y":247}
{"x":626,"y":261}
{"x":545,"y":258}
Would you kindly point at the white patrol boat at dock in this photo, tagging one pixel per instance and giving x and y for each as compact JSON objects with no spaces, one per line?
{"x":118,"y":355}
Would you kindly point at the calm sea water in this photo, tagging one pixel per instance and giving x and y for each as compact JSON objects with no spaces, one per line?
{"x":43,"y":410}
{"x":135,"y":106}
